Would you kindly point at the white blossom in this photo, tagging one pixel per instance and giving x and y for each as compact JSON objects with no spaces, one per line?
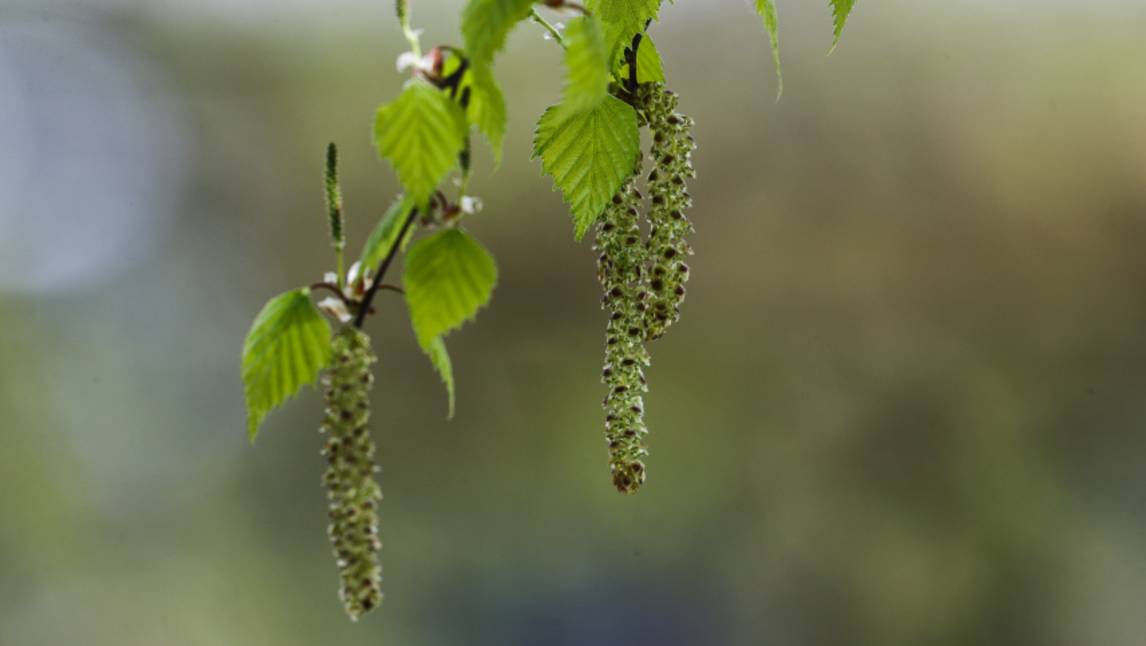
{"x":471,"y":205}
{"x":336,"y":308}
{"x":406,"y":61}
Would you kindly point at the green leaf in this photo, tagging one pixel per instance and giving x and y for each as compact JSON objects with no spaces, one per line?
{"x":841,"y":9}
{"x":630,"y":16}
{"x":485,"y":26}
{"x":449,"y":277}
{"x":487,"y":23}
{"x":587,"y":66}
{"x":389,"y":226}
{"x":440,"y":359}
{"x":487,"y":108}
{"x":649,"y":66}
{"x":623,"y":22}
{"x":288,"y":345}
{"x":421,"y":133}
{"x":616,"y":40}
{"x":767,"y":9}
{"x":650,"y":69}
{"x":589,"y":155}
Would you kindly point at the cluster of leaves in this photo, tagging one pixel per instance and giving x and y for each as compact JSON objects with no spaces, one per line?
{"x":448,"y":277}
{"x":589,"y":144}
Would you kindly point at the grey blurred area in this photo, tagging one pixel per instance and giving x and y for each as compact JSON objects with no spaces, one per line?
{"x":904,"y":406}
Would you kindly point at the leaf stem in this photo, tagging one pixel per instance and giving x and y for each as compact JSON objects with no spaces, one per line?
{"x":368,"y":298}
{"x":335,"y":289}
{"x":553,"y":31}
{"x":403,"y":7}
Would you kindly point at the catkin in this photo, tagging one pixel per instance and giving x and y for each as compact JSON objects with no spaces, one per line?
{"x":350,"y":477}
{"x":620,"y":269}
{"x":334,"y":199}
{"x":669,"y":227}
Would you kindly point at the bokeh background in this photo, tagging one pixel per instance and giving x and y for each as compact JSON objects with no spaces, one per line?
{"x":905,"y":404}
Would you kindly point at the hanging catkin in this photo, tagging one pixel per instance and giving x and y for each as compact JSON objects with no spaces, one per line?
{"x":669,"y":227}
{"x":350,"y":477}
{"x":620,"y":269}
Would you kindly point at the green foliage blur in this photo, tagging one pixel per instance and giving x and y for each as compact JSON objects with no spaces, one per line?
{"x":904,"y":404}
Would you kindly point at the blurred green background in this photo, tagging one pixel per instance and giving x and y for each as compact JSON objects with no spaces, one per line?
{"x":904,"y":406}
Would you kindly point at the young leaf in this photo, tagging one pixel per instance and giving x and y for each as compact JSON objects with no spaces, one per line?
{"x":841,"y":9}
{"x":382,"y":237}
{"x":485,"y":26}
{"x":449,"y":277}
{"x":622,"y":23}
{"x":421,"y":133}
{"x":487,"y":109}
{"x":617,"y":38}
{"x":487,"y":23}
{"x":587,"y":66}
{"x":288,"y":345}
{"x":589,"y":155}
{"x":650,"y":69}
{"x":767,"y":10}
{"x":440,"y":359}
{"x":630,"y":16}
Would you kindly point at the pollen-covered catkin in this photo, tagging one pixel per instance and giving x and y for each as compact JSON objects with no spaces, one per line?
{"x":350,"y":477}
{"x":669,"y":227}
{"x":620,"y":268}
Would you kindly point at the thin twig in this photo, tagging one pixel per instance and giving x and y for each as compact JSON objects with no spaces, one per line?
{"x":331,"y":287}
{"x":553,"y":31}
{"x":368,"y":299}
{"x":403,"y":7}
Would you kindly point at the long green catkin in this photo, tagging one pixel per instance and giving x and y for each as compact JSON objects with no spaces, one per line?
{"x":620,"y":269}
{"x":350,"y":477}
{"x":334,"y":199}
{"x":669,"y":227}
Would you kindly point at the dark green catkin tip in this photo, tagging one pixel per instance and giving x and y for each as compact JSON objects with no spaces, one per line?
{"x":334,"y":198}
{"x":350,"y":476}
{"x":620,"y":271}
